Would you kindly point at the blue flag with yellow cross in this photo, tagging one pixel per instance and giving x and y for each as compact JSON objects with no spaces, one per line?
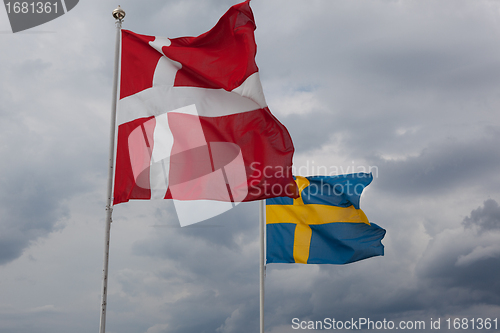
{"x":324,"y":225}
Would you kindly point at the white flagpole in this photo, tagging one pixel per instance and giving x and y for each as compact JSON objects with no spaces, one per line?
{"x":262,"y":262}
{"x":118,"y":14}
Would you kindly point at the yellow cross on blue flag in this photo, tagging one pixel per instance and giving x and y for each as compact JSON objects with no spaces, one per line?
{"x":324,"y":225}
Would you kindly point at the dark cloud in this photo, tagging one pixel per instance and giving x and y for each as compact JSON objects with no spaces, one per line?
{"x":47,"y":154}
{"x":34,"y":196}
{"x":212,"y":266}
{"x":224,"y":232}
{"x":485,"y":218}
{"x":462,"y":263}
{"x":441,"y":168}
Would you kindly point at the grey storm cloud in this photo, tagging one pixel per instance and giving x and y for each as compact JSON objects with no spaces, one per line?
{"x":212,"y":266}
{"x":29,"y":205}
{"x":442,"y":168}
{"x":39,"y":173}
{"x":463,"y":263}
{"x":485,"y":218}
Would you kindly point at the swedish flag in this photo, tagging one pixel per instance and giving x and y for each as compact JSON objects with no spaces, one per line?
{"x":324,"y":225}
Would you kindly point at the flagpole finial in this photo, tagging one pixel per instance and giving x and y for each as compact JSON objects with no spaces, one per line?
{"x":119,"y":13}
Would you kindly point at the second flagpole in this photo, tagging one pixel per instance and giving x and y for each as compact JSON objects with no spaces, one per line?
{"x":262,"y":222}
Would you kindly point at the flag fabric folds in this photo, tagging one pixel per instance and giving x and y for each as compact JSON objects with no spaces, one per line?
{"x":324,"y":225}
{"x":193,"y":123}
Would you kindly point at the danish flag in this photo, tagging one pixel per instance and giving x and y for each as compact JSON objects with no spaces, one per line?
{"x":193,"y":123}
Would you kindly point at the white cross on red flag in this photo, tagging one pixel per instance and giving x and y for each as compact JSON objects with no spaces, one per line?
{"x":193,"y":123}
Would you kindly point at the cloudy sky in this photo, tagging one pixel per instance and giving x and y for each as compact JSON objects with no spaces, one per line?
{"x":407,"y":88}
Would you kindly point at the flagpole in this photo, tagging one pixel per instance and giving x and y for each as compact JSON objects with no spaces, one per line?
{"x":118,"y":14}
{"x":262,"y":263}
